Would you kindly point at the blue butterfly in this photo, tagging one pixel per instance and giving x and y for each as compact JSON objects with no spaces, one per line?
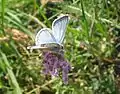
{"x":52,"y":39}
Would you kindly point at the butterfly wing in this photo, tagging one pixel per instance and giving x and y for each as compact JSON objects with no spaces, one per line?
{"x":44,"y":36}
{"x":59,"y":28}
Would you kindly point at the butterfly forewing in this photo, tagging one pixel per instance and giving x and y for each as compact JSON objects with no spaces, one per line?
{"x":59,"y":28}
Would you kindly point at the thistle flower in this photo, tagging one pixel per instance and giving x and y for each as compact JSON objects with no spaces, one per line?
{"x":53,"y":63}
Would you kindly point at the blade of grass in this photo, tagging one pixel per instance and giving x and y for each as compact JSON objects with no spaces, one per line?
{"x":14,"y":17}
{"x":20,"y":26}
{"x":2,"y":16}
{"x":85,"y":20}
{"x":32,"y":17}
{"x":90,"y":16}
{"x":12,"y":78}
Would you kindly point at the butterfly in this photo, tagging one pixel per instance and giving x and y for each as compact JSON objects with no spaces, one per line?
{"x":52,"y":39}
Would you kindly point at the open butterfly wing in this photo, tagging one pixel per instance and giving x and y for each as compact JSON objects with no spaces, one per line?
{"x":59,"y":28}
{"x":44,"y":36}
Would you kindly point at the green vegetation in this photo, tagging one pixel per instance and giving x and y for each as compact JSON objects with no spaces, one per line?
{"x":91,"y":46}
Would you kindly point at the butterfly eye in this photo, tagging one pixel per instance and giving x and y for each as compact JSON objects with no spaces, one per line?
{"x":56,"y":47}
{"x":61,"y":47}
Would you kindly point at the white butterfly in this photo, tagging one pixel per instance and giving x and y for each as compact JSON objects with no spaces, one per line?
{"x":52,"y":39}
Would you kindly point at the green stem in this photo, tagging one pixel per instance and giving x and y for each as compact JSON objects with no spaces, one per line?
{"x":85,"y":20}
{"x":2,"y":16}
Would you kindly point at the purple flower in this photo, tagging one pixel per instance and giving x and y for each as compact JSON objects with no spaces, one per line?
{"x":53,"y":63}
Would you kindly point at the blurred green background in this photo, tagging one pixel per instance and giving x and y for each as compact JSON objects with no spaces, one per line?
{"x":91,"y":46}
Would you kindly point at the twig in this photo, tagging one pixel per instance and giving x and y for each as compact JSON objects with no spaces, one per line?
{"x":37,"y":20}
{"x":51,"y":81}
{"x":34,"y":18}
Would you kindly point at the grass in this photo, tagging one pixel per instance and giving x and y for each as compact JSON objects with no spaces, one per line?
{"x":91,"y":46}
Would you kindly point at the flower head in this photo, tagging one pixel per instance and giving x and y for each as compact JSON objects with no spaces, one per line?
{"x":53,"y":63}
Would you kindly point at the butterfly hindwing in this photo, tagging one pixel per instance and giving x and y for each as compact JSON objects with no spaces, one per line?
{"x":44,"y":36}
